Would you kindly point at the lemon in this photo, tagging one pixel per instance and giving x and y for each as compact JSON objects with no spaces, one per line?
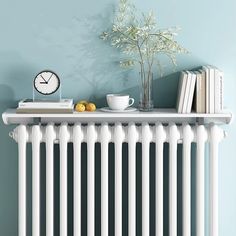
{"x":80,"y":107}
{"x":90,"y":107}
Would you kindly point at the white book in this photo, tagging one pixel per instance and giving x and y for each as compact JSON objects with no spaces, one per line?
{"x":221,"y":80}
{"x":45,"y":104}
{"x":202,"y":92}
{"x":181,"y":91}
{"x":211,"y":89}
{"x":198,"y":97}
{"x":191,"y":92}
{"x":186,"y":94}
{"x":44,"y":110}
{"x":206,"y":70}
{"x":217,"y":91}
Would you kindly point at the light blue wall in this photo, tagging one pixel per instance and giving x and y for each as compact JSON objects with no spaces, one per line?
{"x":63,"y":36}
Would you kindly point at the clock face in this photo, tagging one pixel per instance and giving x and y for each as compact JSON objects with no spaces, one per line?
{"x":46,"y":82}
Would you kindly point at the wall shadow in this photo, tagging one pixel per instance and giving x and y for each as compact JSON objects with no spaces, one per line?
{"x":92,"y":65}
{"x":164,"y":92}
{"x":8,"y":168}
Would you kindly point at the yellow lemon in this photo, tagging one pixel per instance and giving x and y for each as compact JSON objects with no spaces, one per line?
{"x":80,"y":107}
{"x":84,"y":102}
{"x":90,"y":107}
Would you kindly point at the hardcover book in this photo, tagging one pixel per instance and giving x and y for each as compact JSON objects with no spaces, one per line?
{"x":45,"y":104}
{"x":191,"y":92}
{"x":44,"y":111}
{"x":187,"y":90}
{"x":181,"y":91}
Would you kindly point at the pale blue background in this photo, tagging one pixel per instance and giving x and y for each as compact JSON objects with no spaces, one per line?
{"x":63,"y":36}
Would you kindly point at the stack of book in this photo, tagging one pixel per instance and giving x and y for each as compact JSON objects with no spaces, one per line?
{"x":187,"y":83}
{"x":201,"y":90}
{"x":45,"y":106}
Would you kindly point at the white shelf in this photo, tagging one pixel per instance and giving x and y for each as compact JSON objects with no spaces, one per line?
{"x":162,"y":115}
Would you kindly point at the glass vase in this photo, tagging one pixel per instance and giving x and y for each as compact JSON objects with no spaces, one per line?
{"x":146,"y":93}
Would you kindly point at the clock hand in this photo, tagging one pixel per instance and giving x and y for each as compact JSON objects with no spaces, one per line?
{"x":49,"y":78}
{"x":44,"y":79}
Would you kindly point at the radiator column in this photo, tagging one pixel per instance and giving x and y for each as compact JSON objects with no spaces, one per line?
{"x":63,"y":140}
{"x":201,"y":138}
{"x":146,"y":139}
{"x":50,"y":136}
{"x":186,"y":173}
{"x":173,"y":138}
{"x":36,"y":139}
{"x":91,"y":138}
{"x":105,"y":139}
{"x":160,"y":139}
{"x":118,"y":139}
{"x":22,"y":134}
{"x":216,"y":135}
{"x":77,"y":140}
{"x":132,"y":140}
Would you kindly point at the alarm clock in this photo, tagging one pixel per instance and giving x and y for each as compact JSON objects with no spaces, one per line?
{"x":46,"y":82}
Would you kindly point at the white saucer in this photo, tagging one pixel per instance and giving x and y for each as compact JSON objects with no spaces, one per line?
{"x":129,"y":109}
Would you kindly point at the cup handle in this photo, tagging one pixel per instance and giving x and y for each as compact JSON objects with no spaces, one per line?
{"x":131,"y":102}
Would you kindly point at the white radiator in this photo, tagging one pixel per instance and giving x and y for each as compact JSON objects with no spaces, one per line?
{"x":119,"y":134}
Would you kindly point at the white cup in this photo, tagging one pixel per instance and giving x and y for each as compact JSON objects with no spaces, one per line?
{"x":119,"y":101}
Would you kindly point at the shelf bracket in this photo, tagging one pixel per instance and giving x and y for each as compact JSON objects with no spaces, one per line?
{"x":200,"y":120}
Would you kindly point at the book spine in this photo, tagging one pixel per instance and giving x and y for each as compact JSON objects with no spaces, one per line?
{"x":191,"y":92}
{"x":221,"y":77}
{"x":199,"y":80}
{"x":217,"y":91}
{"x":66,"y":103}
{"x":179,"y":103}
{"x":38,"y":111}
{"x":197,"y":93}
{"x":186,"y":94}
{"x":207,"y":88}
{"x":45,"y":106}
{"x":212,"y":91}
{"x":183,"y":90}
{"x":203,"y":92}
{"x":196,"y":98}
